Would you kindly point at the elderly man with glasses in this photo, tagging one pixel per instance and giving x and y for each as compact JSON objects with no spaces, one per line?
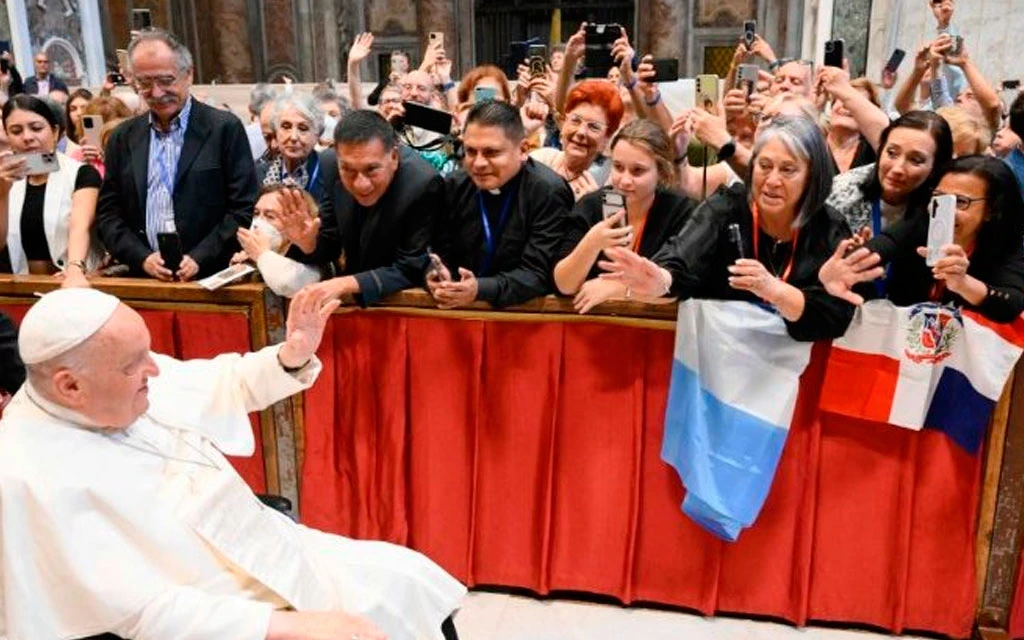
{"x":180,"y":179}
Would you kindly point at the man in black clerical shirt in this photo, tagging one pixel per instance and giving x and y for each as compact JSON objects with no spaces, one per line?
{"x":375,"y":206}
{"x":502,"y":220}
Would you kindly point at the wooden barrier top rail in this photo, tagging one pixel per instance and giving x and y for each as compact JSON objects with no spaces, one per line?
{"x":417,"y":299}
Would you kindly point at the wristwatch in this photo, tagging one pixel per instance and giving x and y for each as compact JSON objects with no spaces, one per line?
{"x":727,"y":150}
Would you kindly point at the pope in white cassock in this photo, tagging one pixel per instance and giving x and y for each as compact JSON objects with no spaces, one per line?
{"x":119,"y":512}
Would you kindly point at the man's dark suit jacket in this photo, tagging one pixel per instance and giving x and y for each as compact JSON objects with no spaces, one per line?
{"x":385,"y":246}
{"x":214,"y":191}
{"x":526,"y":248}
{"x":31,"y":84}
{"x":12,"y":371}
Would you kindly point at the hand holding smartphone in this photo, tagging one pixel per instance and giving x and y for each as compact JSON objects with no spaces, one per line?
{"x":835,"y":53}
{"x":941,"y":223}
{"x":613,"y":202}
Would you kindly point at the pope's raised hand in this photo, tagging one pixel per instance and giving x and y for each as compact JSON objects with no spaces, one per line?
{"x":307,"y":316}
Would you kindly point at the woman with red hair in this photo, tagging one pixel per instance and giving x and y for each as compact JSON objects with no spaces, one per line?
{"x":485,"y":76}
{"x":593,"y":112}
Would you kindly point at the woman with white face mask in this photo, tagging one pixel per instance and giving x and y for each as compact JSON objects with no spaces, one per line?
{"x":264,"y":245}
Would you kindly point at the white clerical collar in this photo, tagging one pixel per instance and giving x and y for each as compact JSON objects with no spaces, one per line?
{"x":494,"y":192}
{"x":57,"y":411}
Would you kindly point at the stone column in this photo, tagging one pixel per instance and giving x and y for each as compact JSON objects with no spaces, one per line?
{"x":280,"y":37}
{"x":232,"y":40}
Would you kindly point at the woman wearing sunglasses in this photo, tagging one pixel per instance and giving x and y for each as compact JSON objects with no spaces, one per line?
{"x":982,"y":270}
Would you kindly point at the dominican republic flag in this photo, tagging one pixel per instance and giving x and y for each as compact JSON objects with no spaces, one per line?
{"x":925,"y":366}
{"x":735,"y":379}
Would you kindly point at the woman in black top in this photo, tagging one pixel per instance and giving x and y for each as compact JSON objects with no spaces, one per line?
{"x":642,"y":169}
{"x":785,"y":233}
{"x":46,"y":219}
{"x":982,"y":270}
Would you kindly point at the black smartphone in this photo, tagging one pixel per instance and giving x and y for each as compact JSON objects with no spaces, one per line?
{"x":424,"y":117}
{"x":116,"y":78}
{"x":1010,"y":85}
{"x":749,"y":31}
{"x":5,"y":46}
{"x":517,"y":52}
{"x":142,"y":19}
{"x":169,"y":245}
{"x":5,"y":65}
{"x":895,"y":60}
{"x":666,"y":70}
{"x":537,"y":59}
{"x":834,"y":53}
{"x":598,"y":60}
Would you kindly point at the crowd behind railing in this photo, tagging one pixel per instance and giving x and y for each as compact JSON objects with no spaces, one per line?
{"x":789,"y":185}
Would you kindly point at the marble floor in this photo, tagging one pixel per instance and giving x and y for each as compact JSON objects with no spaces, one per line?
{"x":492,"y":616}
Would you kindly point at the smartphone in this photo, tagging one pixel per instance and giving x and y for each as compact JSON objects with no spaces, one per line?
{"x":116,"y":79}
{"x":1011,"y":85}
{"x":736,"y":239}
{"x":142,"y":19}
{"x":5,"y":46}
{"x":226,"y":276}
{"x":597,"y":58}
{"x":91,"y":127}
{"x":835,"y":52}
{"x":749,"y":31}
{"x":424,"y":117}
{"x":895,"y":60}
{"x":537,"y":59}
{"x":746,"y":77}
{"x":5,"y":65}
{"x":436,"y":38}
{"x":518,"y":52}
{"x":707,"y":92}
{"x":169,"y":245}
{"x":483,"y":94}
{"x":611,"y":203}
{"x":39,"y":162}
{"x":958,"y":46}
{"x":941,"y":221}
{"x":666,"y":70}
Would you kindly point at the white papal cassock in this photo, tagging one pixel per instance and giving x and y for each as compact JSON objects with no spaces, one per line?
{"x":149,"y":533}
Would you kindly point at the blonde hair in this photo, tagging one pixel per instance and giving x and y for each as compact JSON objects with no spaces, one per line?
{"x":967,"y":130}
{"x":652,"y":139}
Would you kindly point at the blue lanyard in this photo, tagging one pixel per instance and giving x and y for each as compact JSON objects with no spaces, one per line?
{"x":165,"y":176}
{"x":311,"y":184}
{"x":492,"y":245}
{"x":876,"y":228}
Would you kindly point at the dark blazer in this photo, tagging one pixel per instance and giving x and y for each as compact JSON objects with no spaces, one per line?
{"x":526,"y":248}
{"x":12,"y":371}
{"x":698,"y":259}
{"x":910,"y":281}
{"x":214,"y":191}
{"x":669,"y":212}
{"x":384,"y":246}
{"x":31,"y":84}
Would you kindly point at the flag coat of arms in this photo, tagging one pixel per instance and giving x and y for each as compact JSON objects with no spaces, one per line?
{"x":735,"y":380}
{"x":925,"y":366}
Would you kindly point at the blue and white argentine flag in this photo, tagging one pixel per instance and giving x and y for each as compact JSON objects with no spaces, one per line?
{"x":735,"y":380}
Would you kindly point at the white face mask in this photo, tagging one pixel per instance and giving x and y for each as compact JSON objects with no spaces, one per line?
{"x":268,"y":230}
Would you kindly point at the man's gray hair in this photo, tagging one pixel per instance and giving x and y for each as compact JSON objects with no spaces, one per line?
{"x":181,"y":52}
{"x":304,"y":104}
{"x":803,"y":138}
{"x":261,"y":95}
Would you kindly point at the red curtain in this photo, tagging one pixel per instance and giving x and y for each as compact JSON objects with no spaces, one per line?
{"x":197,"y":334}
{"x":527,"y":454}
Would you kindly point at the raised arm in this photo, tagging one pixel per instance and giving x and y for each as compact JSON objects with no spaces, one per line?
{"x":871,"y":120}
{"x":359,"y":51}
{"x":574,"y":50}
{"x":984,"y":92}
{"x":906,"y":96}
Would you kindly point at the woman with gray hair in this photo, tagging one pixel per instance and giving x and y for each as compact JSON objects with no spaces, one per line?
{"x":763,"y":240}
{"x":297,"y":124}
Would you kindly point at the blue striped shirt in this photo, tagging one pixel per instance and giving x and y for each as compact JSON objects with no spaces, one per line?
{"x":164,"y":153}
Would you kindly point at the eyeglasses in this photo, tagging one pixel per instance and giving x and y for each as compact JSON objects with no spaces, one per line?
{"x":963,"y":203}
{"x":594,"y":127}
{"x":147,"y":83}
